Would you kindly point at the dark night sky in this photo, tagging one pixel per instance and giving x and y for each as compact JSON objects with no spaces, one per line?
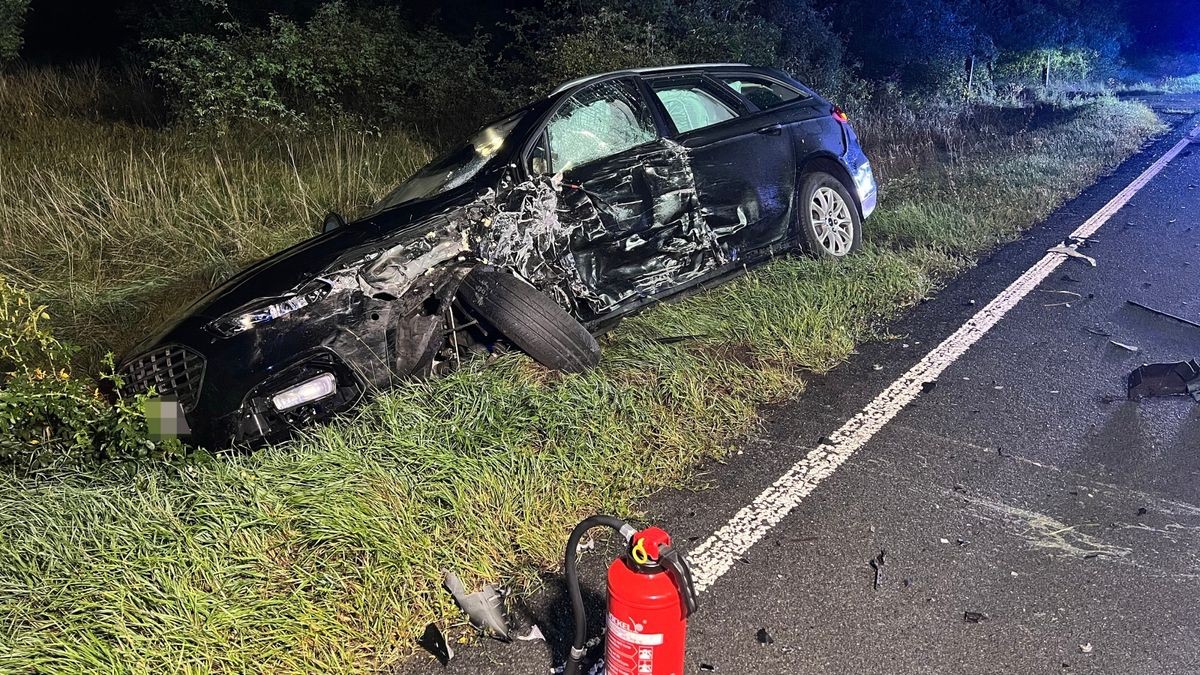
{"x":64,"y":30}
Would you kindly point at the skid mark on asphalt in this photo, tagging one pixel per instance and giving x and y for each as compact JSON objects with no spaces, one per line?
{"x":717,"y":554}
{"x":1047,"y":532}
{"x":1164,"y":505}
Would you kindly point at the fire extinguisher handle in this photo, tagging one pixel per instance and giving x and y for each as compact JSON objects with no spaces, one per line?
{"x":677,"y":567}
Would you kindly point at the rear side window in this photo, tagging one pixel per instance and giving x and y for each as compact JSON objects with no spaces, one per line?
{"x":691,"y":107}
{"x":603,"y":120}
{"x":762,"y":92}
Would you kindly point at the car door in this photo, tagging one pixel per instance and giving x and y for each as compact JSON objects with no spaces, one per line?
{"x":628,"y":196}
{"x":741,"y":157}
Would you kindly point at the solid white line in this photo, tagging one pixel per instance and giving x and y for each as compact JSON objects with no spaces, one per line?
{"x":715,"y":556}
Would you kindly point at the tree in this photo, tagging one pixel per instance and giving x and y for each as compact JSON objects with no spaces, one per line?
{"x":12,"y":22}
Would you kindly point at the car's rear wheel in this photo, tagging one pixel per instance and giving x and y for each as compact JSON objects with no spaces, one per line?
{"x":829,"y":222}
{"x":530,"y":320}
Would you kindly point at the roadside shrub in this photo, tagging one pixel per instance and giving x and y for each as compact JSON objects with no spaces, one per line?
{"x":49,"y":417}
{"x":12,"y":21}
{"x":342,"y":62}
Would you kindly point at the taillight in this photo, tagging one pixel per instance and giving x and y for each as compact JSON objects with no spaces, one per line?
{"x":840,"y":115}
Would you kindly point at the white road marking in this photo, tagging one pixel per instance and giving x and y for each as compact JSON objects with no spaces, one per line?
{"x":715,"y":556}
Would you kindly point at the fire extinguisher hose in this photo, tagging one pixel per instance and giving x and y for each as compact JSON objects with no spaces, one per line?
{"x":627,"y":531}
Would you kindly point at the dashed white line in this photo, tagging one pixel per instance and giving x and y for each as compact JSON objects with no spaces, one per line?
{"x":715,"y":556}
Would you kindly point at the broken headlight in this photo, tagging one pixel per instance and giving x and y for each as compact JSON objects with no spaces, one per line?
{"x":256,"y":314}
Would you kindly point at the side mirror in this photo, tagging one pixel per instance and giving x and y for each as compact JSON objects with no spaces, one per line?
{"x":333,"y":221}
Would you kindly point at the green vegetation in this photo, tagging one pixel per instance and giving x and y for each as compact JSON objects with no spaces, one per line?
{"x":12,"y":21}
{"x":325,"y":554}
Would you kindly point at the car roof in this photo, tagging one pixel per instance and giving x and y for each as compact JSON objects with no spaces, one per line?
{"x":646,"y":71}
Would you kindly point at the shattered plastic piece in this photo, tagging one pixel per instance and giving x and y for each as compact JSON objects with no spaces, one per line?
{"x":1124,"y":346}
{"x":764,"y":638}
{"x":434,"y":642}
{"x":588,"y":545}
{"x":484,"y":608}
{"x":1168,"y":315}
{"x":876,"y":564}
{"x":1165,"y":379}
{"x":974,"y":617}
{"x":1099,"y":331}
{"x":534,"y":633}
{"x":1085,"y":648}
{"x":1071,"y":252}
{"x":929,"y":386}
{"x":707,"y":667}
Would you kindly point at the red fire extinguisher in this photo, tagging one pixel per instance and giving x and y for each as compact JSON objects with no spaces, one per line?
{"x":650,"y":596}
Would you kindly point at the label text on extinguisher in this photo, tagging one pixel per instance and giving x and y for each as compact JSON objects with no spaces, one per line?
{"x":626,"y":633}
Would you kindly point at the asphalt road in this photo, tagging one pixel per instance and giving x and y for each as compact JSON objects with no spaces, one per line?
{"x":1022,"y":485}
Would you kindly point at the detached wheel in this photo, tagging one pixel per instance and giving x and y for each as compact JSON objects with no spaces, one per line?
{"x":830,"y":225}
{"x":530,"y":320}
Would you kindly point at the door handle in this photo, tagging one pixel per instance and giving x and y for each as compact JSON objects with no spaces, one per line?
{"x":773,"y":130}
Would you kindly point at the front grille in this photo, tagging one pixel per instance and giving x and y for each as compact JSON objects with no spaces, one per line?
{"x":172,"y":371}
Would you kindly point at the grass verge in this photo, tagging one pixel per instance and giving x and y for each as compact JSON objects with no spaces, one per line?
{"x":326,"y":553}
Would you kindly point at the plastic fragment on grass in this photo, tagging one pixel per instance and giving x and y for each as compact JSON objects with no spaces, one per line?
{"x":484,"y":608}
{"x":434,"y":642}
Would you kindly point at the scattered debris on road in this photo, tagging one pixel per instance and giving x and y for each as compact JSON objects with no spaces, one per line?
{"x":1099,"y":331}
{"x":1071,"y":252}
{"x":534,"y":634}
{"x":1168,"y":315}
{"x":974,"y":617}
{"x":929,"y":386}
{"x":1085,"y":648}
{"x":876,"y":564}
{"x":764,"y":638}
{"x":1165,"y":379}
{"x":1122,"y":345}
{"x":1066,"y":303}
{"x":484,"y":608}
{"x":434,"y":642}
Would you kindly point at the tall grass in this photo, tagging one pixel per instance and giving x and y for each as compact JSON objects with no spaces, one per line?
{"x":117,"y":224}
{"x":326,"y":553}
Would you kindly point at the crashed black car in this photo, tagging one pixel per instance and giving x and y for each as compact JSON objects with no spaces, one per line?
{"x":541,"y":230}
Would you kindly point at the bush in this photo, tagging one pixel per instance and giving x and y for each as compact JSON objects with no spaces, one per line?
{"x":49,"y":417}
{"x":12,"y":21}
{"x":343,"y":61}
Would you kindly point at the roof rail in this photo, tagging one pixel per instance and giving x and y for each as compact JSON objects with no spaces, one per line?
{"x":688,"y":66}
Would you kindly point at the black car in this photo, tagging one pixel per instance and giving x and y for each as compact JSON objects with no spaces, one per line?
{"x":541,"y":230}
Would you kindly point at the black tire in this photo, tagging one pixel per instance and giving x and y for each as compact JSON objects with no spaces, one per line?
{"x":824,"y":242}
{"x":530,"y":320}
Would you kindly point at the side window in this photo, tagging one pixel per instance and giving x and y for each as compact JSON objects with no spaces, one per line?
{"x":691,"y":107}
{"x":762,"y":92}
{"x":600,"y":121}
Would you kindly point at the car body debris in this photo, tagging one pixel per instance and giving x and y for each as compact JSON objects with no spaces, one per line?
{"x":534,"y":635}
{"x":974,"y":617}
{"x":877,"y":564}
{"x":1161,"y":313}
{"x":1126,"y":347}
{"x":763,"y":637}
{"x":435,"y":642}
{"x":1181,"y":378}
{"x":1072,"y":252}
{"x":485,"y":608}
